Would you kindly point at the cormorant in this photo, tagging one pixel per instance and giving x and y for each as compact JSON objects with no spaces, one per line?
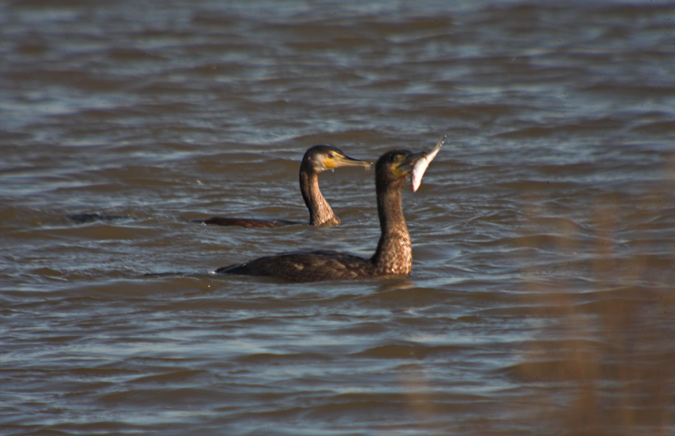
{"x":316,"y":160}
{"x":393,"y":256}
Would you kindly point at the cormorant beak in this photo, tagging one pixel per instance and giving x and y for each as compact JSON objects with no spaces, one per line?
{"x":409,"y":163}
{"x":415,"y":165}
{"x":339,"y":161}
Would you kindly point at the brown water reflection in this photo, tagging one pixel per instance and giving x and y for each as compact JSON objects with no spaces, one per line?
{"x":608,"y":339}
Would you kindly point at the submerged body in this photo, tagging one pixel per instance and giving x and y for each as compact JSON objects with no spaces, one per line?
{"x":312,"y":266}
{"x":393,"y":256}
{"x":249,"y":223}
{"x":82,"y":218}
{"x":316,"y":160}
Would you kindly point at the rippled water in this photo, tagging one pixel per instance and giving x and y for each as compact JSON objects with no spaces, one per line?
{"x":543,"y":235}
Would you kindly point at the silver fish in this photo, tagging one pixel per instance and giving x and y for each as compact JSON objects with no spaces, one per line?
{"x":421,"y":165}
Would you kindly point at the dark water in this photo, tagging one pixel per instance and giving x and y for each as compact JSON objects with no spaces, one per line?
{"x":541,"y":299}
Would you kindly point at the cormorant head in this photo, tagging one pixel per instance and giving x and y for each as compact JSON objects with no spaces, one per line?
{"x":320,"y":158}
{"x":396,"y":165}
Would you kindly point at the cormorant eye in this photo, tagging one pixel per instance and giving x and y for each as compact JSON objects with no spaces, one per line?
{"x":331,"y":155}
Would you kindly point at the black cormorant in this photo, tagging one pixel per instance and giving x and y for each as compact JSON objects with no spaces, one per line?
{"x":316,"y":160}
{"x":393,"y":256}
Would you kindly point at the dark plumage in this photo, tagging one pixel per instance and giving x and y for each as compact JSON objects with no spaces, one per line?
{"x":316,"y":160}
{"x":82,"y":218}
{"x":393,"y":256}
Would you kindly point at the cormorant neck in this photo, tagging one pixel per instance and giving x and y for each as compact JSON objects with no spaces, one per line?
{"x":394,"y":253}
{"x":320,"y":212}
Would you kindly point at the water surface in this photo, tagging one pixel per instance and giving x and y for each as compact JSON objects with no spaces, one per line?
{"x":540,"y":300}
